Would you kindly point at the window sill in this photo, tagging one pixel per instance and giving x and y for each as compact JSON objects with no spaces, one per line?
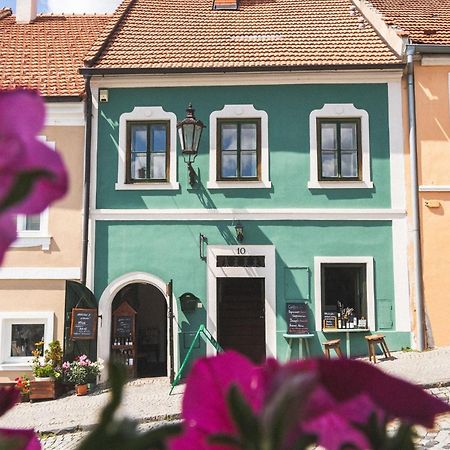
{"x":340,"y":184}
{"x":239,"y":184}
{"x":32,"y":241}
{"x":7,"y":366}
{"x":166,"y":186}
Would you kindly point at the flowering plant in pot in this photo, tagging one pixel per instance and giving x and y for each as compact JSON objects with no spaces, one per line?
{"x":23,"y":386}
{"x":47,"y":367}
{"x":80,"y":372}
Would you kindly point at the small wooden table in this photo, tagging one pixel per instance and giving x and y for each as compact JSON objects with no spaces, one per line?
{"x":347,"y":332}
{"x":303,"y":340}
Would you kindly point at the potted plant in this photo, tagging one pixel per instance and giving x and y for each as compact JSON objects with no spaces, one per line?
{"x":81,"y":372}
{"x":46,"y":371}
{"x":23,"y":386}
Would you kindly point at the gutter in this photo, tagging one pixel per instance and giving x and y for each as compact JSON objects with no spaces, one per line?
{"x":86,"y":181}
{"x":89,"y":71}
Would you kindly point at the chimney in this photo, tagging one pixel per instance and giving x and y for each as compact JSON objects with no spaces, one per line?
{"x":26,"y":11}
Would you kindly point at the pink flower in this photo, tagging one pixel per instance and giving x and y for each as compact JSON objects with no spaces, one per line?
{"x":333,"y":396}
{"x":32,"y":175}
{"x":27,"y":438}
{"x":66,"y":365}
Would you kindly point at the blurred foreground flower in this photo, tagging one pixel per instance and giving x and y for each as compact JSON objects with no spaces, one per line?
{"x":32,"y":175}
{"x":338,"y":404}
{"x":15,"y":439}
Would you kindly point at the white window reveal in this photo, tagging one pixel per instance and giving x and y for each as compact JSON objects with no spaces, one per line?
{"x":19,"y":331}
{"x":344,"y":292}
{"x":339,"y":147}
{"x":239,"y":148}
{"x":147,"y":158}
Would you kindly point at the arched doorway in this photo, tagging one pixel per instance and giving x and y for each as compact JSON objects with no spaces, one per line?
{"x":150,"y":343}
{"x":105,"y":313}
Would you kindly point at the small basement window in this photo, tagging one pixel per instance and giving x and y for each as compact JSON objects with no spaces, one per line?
{"x":225,"y":4}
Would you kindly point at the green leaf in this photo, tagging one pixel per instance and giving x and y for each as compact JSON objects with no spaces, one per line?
{"x":246,"y":421}
{"x":22,"y":186}
{"x":10,"y":443}
{"x":225,"y":439}
{"x":123,"y":434}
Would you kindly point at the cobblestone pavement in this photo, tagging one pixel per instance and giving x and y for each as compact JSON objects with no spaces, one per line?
{"x":438,"y":438}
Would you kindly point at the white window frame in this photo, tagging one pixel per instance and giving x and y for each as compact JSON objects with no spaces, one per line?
{"x":147,"y":114}
{"x":238,"y":112}
{"x":7,"y":319}
{"x":339,"y":111}
{"x":370,"y":289}
{"x":35,"y":238}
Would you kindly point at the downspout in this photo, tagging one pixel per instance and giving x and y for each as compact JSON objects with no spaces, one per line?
{"x":86,"y":180}
{"x":415,"y":231}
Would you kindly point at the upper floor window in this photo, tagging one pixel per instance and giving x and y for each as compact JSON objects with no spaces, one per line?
{"x":239,"y":147}
{"x":147,"y":151}
{"x":29,"y":223}
{"x":339,"y":149}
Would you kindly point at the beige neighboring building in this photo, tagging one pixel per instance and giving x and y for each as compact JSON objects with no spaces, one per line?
{"x":421,"y":33}
{"x":44,"y":52}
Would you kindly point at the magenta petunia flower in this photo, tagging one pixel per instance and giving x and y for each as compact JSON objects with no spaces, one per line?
{"x":23,"y":439}
{"x":338,"y":394}
{"x":32,"y":175}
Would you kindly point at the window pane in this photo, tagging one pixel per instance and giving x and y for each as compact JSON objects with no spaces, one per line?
{"x":158,"y":166}
{"x":248,"y":164}
{"x":349,"y":164}
{"x":229,"y":164}
{"x":138,"y":138}
{"x":229,"y":136}
{"x":248,"y":136}
{"x":33,"y":222}
{"x":23,"y":338}
{"x":328,"y":136}
{"x":158,"y":133}
{"x":329,"y":164}
{"x":138,"y":166}
{"x":348,"y":136}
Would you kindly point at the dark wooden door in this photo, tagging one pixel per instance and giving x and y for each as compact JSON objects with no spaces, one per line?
{"x":241,"y":316}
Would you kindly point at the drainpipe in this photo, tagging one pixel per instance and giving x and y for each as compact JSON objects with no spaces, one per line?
{"x":420,"y":310}
{"x":87,"y":180}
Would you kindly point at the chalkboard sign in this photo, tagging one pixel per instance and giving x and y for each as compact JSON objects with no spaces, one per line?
{"x":329,"y":319}
{"x":84,"y":324}
{"x":297,"y":318}
{"x":124,"y":326}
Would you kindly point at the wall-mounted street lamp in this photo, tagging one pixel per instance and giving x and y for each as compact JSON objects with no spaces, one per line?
{"x":239,"y":231}
{"x":189,"y":131}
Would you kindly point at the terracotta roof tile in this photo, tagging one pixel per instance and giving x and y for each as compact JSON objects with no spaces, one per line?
{"x":177,"y":35}
{"x":424,"y":21}
{"x":47,"y":53}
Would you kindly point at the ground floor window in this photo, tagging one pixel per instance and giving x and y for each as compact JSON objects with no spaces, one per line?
{"x":344,"y":292}
{"x":19,"y":331}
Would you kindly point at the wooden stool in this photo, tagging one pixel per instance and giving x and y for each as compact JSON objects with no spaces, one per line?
{"x":372,"y":342}
{"x":334,"y":344}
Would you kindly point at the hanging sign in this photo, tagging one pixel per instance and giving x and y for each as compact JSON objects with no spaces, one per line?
{"x":297,"y":318}
{"x":84,"y":324}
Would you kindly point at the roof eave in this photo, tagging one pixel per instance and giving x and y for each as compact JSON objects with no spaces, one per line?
{"x":92,"y":71}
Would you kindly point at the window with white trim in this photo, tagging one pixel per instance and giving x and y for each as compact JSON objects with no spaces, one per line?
{"x":239,"y":148}
{"x":339,"y":147}
{"x":32,"y":231}
{"x":19,"y":331}
{"x":344,"y":292}
{"x":147,"y":158}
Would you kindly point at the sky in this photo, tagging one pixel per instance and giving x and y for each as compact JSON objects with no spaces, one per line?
{"x":69,"y":6}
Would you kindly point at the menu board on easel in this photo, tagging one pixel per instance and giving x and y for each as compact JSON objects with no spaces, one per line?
{"x":123,"y":343}
{"x":297,"y":318}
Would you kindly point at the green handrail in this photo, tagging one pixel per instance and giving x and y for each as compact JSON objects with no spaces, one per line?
{"x":204,"y":333}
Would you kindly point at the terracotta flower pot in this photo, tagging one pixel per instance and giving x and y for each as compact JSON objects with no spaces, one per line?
{"x":81,"y":389}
